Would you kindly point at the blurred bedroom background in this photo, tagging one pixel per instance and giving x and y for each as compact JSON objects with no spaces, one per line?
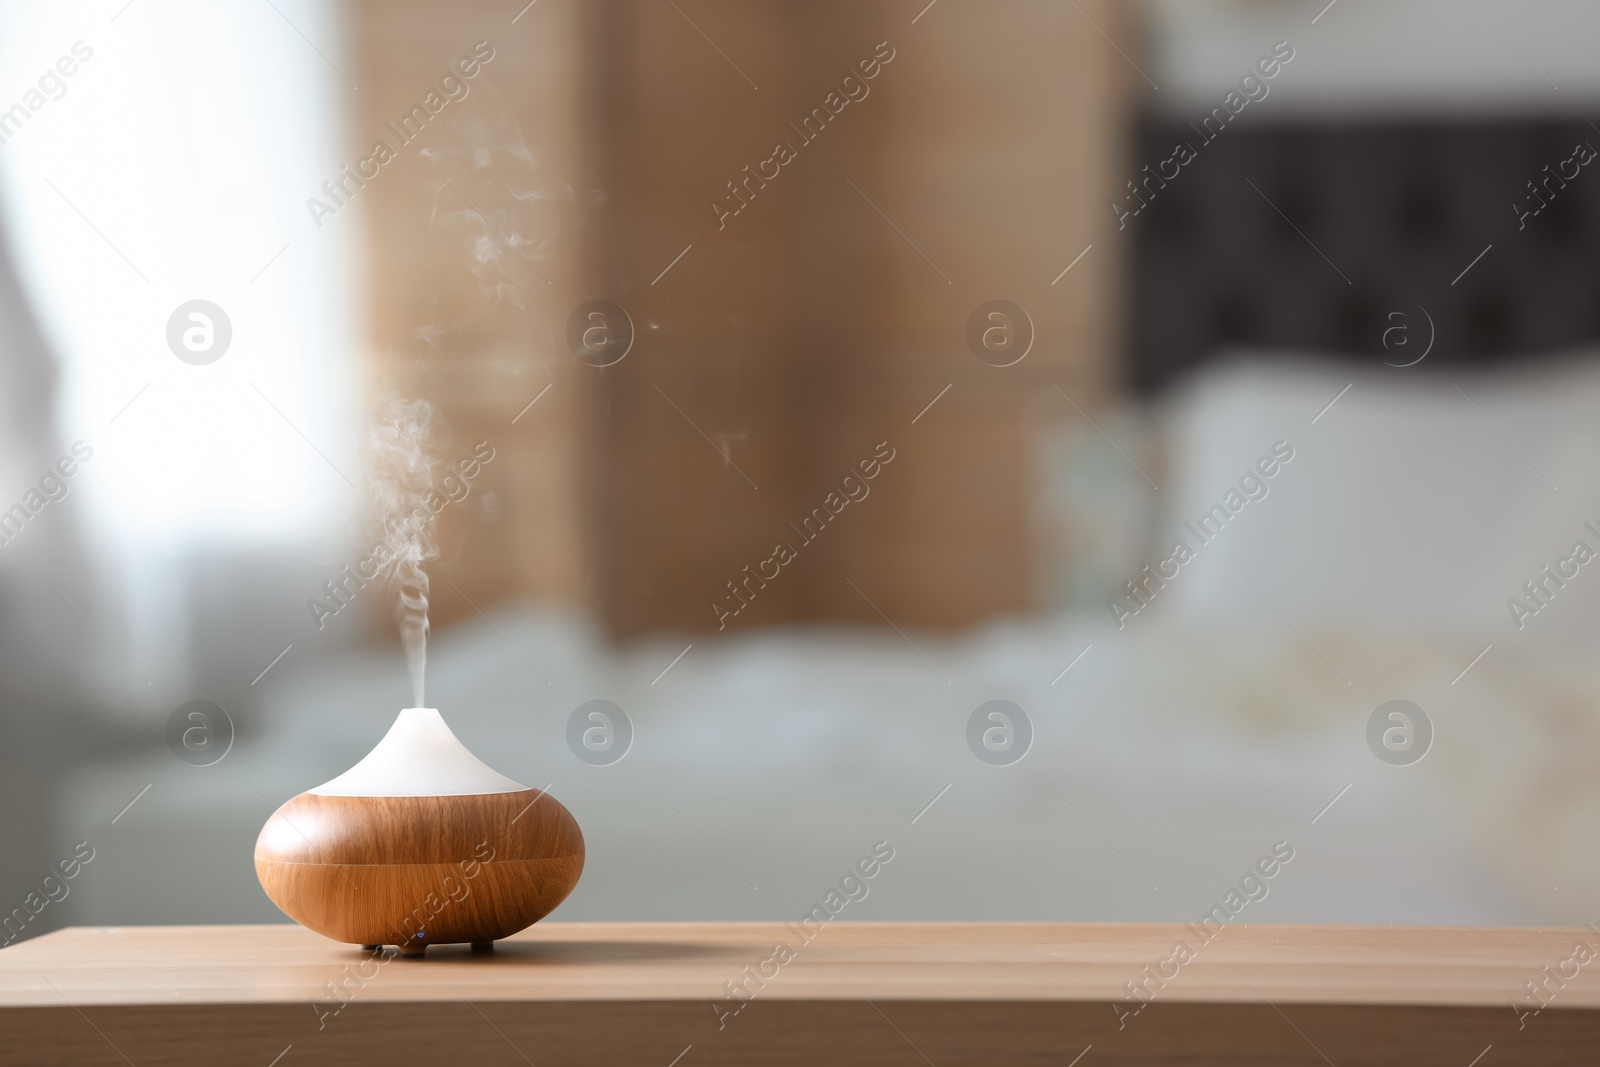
{"x":1035,"y":293}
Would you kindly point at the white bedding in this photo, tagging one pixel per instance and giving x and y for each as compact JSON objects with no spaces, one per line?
{"x":781,"y":756}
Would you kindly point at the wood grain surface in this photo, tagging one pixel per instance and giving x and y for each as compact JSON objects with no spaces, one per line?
{"x":528,"y":825}
{"x":855,"y":993}
{"x":419,"y":871}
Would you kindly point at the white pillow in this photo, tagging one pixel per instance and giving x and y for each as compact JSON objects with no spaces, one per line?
{"x":1415,"y":500}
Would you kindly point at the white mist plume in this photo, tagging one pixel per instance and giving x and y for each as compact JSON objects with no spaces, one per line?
{"x":499,"y":210}
{"x":496,"y":218}
{"x":402,"y":465}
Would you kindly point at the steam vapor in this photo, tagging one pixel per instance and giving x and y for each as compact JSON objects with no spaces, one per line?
{"x":402,"y":464}
{"x":490,"y":198}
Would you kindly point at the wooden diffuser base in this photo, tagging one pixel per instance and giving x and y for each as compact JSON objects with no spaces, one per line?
{"x":419,"y":870}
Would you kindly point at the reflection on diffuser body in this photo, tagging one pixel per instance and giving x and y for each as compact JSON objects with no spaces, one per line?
{"x":419,"y":843}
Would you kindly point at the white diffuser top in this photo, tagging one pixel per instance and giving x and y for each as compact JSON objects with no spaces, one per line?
{"x":419,"y":757}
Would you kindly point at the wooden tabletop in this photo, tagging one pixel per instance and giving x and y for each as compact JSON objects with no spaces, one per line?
{"x":856,"y":992}
{"x":900,"y":961}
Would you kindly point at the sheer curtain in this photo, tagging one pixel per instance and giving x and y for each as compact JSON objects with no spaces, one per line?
{"x":155,"y":154}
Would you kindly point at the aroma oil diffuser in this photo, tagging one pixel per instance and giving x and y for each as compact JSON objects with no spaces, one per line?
{"x":420,"y":843}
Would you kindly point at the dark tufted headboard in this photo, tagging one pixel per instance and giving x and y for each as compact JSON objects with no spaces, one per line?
{"x":1400,"y":209}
